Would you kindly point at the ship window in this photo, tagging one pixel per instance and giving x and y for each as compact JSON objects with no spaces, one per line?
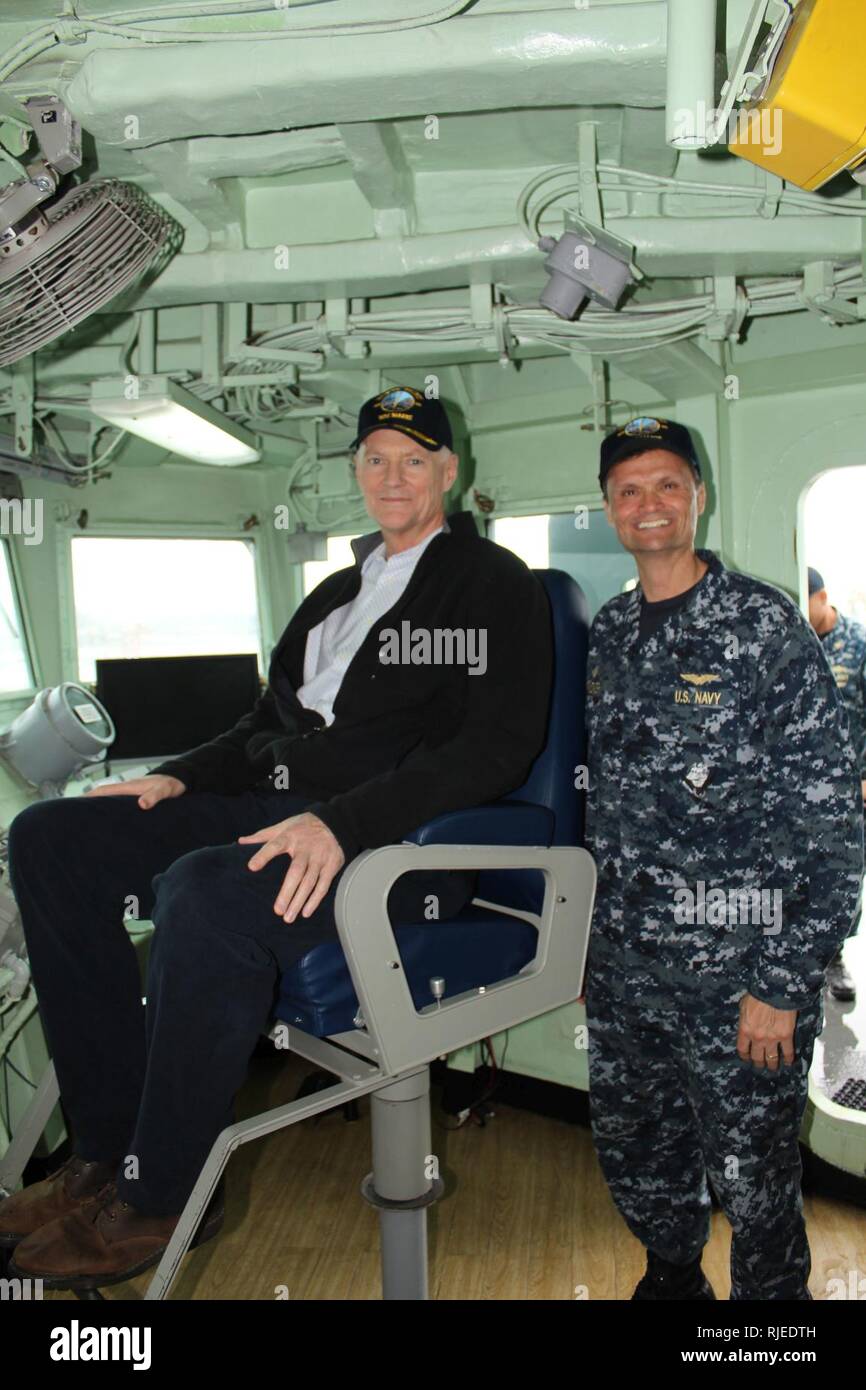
{"x":527,"y":536}
{"x":833,"y":523}
{"x":16,"y":672}
{"x":340,"y":556}
{"x":163,"y":597}
{"x":580,"y":542}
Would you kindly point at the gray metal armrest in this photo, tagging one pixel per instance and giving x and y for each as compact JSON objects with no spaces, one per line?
{"x":402,"y":1036}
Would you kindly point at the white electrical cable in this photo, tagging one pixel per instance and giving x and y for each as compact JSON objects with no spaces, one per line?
{"x":370,"y":26}
{"x":664,"y":186}
{"x":634,"y":328}
{"x":196,"y":10}
{"x":72,"y":28}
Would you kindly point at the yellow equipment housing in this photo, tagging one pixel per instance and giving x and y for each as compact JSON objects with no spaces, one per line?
{"x":811,"y":121}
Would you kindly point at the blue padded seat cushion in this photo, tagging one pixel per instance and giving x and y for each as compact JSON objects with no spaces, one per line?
{"x":477,"y":947}
{"x":501,"y":823}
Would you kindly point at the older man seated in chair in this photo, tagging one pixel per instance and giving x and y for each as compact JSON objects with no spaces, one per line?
{"x":368,"y":728}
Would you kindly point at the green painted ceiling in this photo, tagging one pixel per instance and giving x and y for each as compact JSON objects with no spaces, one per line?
{"x":351,"y":186}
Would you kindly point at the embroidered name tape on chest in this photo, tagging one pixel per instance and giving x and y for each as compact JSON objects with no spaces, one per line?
{"x":703,"y":689}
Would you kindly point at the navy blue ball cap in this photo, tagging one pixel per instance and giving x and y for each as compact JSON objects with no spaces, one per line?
{"x":645,"y":433}
{"x":409,"y":411}
{"x":816,"y":582}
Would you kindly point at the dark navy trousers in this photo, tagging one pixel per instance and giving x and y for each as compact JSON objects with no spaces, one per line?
{"x":158,"y":1083}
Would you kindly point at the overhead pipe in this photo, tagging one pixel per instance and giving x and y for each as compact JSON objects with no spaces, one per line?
{"x":691,"y":73}
{"x":255,"y":83}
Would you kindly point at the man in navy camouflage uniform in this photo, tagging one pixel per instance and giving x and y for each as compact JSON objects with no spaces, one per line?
{"x":718,"y":763}
{"x":844,"y":643}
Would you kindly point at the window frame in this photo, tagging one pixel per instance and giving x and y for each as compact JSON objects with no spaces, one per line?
{"x":68,"y":625}
{"x":24,"y":621}
{"x":329,"y":536}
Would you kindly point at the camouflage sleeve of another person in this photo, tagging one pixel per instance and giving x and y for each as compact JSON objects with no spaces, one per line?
{"x":861,"y":751}
{"x":813,"y":818}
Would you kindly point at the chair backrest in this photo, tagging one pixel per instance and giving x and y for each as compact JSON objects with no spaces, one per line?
{"x":551,"y":781}
{"x":552,"y":778}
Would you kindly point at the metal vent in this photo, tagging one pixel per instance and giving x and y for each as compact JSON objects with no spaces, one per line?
{"x":73,"y":258}
{"x":852,"y":1094}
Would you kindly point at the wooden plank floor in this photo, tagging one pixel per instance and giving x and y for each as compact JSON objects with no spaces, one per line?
{"x":526,"y":1215}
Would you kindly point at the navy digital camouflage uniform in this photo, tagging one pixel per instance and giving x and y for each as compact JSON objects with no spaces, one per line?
{"x":845,"y":648}
{"x":717,"y":756}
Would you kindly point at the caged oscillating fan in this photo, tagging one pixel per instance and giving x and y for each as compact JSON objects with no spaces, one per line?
{"x":63,"y":258}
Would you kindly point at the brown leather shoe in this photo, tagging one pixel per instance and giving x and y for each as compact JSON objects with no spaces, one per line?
{"x":63,"y":1191}
{"x":104,"y":1242}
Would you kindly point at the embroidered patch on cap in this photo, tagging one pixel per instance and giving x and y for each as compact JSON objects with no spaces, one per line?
{"x":398,"y":400}
{"x":644,"y":425}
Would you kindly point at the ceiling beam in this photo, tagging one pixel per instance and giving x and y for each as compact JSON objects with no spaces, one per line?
{"x":382,"y":174}
{"x":676,"y":371}
{"x":204,"y":201}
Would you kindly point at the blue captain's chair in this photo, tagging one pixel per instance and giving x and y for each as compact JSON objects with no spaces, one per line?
{"x":367,"y":1010}
{"x":480,"y":945}
{"x":377,"y":1008}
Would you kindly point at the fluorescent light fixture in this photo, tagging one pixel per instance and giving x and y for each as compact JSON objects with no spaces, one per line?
{"x":172,"y":417}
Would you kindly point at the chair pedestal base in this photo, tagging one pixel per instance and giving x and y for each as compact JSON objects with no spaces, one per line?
{"x":404,"y":1182}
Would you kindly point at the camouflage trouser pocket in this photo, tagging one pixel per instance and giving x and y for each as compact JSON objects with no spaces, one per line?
{"x":634,"y":1069}
{"x":749,"y":1116}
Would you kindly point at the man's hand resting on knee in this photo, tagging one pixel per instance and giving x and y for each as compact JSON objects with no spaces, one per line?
{"x":316,"y":857}
{"x":149,"y":790}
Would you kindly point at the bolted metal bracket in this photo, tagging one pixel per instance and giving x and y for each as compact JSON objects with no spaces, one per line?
{"x":57,"y":131}
{"x":820,"y":295}
{"x":587,"y":153}
{"x":769,"y":205}
{"x":749,"y":83}
{"x":426,"y":1199}
{"x":731,"y":304}
{"x":23,"y":392}
{"x":59,"y":139}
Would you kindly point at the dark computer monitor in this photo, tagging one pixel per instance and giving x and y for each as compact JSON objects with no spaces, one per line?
{"x":164,"y":705}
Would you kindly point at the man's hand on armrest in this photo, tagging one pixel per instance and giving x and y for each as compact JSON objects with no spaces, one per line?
{"x":149,"y":790}
{"x":316,"y":858}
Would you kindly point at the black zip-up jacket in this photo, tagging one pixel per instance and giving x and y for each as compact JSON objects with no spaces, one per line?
{"x":408,"y":742}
